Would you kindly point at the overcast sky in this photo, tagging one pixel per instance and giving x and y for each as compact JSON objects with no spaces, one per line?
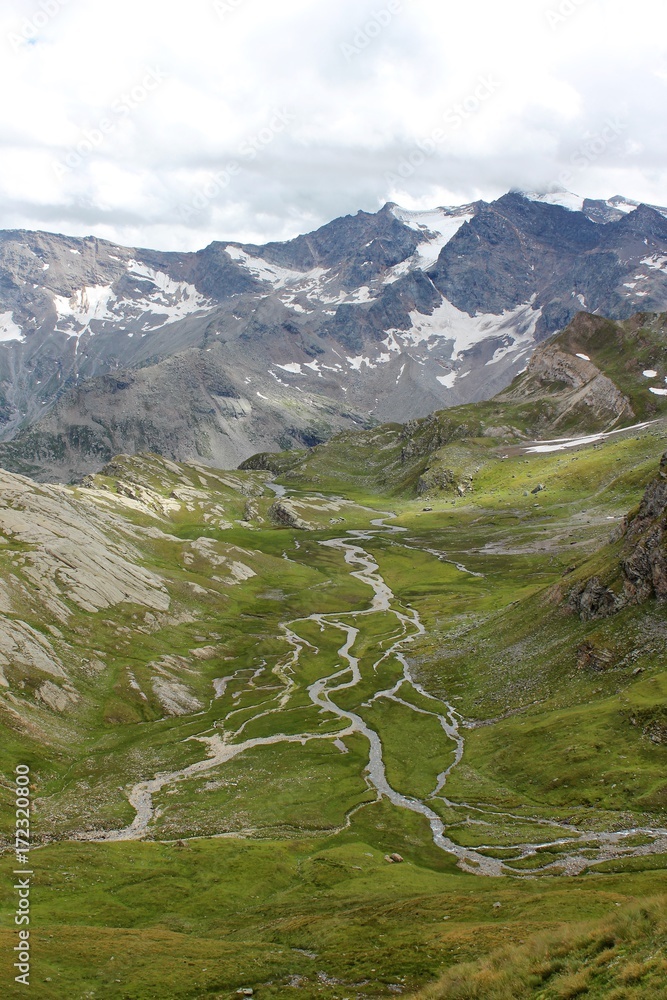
{"x":168,"y":124}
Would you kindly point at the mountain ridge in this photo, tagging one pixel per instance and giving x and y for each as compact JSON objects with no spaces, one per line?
{"x":373,"y":317}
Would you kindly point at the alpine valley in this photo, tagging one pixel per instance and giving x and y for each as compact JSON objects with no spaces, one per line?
{"x":217,"y":355}
{"x":384,"y":715}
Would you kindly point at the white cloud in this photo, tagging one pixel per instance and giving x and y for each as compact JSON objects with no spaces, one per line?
{"x":223,"y":73}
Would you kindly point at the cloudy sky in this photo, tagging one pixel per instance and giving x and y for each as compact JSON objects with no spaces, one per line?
{"x":169,"y":124}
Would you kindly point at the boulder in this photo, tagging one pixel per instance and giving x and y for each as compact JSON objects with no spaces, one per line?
{"x":284,"y":513}
{"x":593,"y":659}
{"x":593,"y":600}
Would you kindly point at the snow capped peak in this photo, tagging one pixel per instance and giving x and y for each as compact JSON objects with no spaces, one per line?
{"x":558,"y":196}
{"x":622,"y":204}
{"x":626,"y":205}
{"x":439,"y":226}
{"x":435,"y":220}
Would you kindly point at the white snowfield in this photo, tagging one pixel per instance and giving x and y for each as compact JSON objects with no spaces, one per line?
{"x":575,"y":203}
{"x":85,"y":305}
{"x":439,"y":226}
{"x":657,"y":262}
{"x":9,"y":330}
{"x":259,"y":268}
{"x":562,"y":444}
{"x":515,"y":327}
{"x":565,"y":199}
{"x":165,"y":301}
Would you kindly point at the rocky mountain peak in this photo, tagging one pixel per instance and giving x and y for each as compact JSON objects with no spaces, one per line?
{"x":384,"y":315}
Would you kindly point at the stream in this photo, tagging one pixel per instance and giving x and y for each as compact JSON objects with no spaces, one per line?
{"x":346,"y":675}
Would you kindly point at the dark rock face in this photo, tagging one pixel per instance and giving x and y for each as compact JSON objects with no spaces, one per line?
{"x":644,"y":562}
{"x":593,"y":600}
{"x":283,"y":512}
{"x":516,"y":250}
{"x":354,"y":326}
{"x":436,"y":479}
{"x":363,"y":246}
{"x":645,"y":568}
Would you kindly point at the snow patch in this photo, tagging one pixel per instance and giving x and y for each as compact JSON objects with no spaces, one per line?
{"x":447,"y":380}
{"x":515,"y":327}
{"x":561,"y":444}
{"x":584,"y":357}
{"x":9,"y":330}
{"x":658,"y":392}
{"x":622,"y":204}
{"x":657,"y":262}
{"x":649,"y":373}
{"x":356,"y":363}
{"x":84,"y":305}
{"x":294,"y":368}
{"x":273,"y":273}
{"x":361,"y":295}
{"x":439,"y":226}
{"x":165,"y":302}
{"x":172,"y":299}
{"x":565,"y":199}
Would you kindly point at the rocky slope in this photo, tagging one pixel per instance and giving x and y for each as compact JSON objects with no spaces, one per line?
{"x":642,"y":563}
{"x":594,"y":378}
{"x":221,"y":353}
{"x":73,"y":567}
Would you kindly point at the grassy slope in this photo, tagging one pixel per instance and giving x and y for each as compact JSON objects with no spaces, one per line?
{"x":620,"y":958}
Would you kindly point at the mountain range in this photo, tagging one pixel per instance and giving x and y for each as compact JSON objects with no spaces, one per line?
{"x":216,"y":355}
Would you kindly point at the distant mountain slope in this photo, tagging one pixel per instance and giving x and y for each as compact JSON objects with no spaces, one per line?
{"x":373,"y":317}
{"x":595,"y":377}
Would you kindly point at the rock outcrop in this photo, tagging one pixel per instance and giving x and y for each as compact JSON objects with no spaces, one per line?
{"x":645,"y":566}
{"x":575,"y":384}
{"x":643,"y":562}
{"x":285,"y":513}
{"x":593,"y":600}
